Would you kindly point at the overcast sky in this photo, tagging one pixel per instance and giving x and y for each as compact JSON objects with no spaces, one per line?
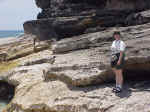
{"x":13,"y":13}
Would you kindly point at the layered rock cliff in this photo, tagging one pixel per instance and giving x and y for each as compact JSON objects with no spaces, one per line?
{"x":66,"y":18}
{"x":63,"y":8}
{"x":73,"y":74}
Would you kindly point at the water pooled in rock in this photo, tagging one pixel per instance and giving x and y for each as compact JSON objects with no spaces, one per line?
{"x":3,"y":104}
{"x":6,"y":94}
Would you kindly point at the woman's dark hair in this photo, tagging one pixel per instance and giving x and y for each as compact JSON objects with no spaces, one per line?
{"x":116,"y":33}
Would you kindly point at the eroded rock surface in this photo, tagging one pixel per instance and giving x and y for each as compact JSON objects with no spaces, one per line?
{"x":88,"y":56}
{"x":66,"y":18}
{"x":80,"y":78}
{"x":74,"y":74}
{"x":55,"y":8}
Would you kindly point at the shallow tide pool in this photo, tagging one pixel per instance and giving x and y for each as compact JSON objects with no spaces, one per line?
{"x":2,"y":105}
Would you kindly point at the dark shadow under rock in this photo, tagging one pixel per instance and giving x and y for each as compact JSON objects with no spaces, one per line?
{"x":7,"y":91}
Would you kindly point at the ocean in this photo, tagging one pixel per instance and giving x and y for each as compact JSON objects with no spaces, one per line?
{"x":10,"y":33}
{"x":2,"y":105}
{"x":5,"y":34}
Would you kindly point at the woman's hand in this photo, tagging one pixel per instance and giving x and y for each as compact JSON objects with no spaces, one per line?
{"x":118,"y":63}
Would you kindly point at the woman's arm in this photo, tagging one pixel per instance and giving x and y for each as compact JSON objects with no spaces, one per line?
{"x":120,"y":58}
{"x":122,"y":49}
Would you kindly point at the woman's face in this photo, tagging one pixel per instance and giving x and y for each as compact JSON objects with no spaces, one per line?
{"x":117,"y":36}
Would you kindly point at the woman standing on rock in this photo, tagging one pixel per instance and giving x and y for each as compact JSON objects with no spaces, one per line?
{"x":117,"y":60}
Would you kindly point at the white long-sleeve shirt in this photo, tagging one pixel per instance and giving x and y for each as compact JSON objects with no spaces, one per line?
{"x":118,"y":46}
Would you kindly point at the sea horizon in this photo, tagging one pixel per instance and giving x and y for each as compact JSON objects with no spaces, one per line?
{"x":10,"y":33}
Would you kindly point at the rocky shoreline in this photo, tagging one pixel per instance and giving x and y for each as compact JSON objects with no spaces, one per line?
{"x":70,"y":72}
{"x":78,"y":80}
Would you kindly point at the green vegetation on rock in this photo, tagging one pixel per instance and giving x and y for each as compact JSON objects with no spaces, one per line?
{"x":6,"y":66}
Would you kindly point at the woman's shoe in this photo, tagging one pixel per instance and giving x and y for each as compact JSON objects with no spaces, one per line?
{"x":117,"y":89}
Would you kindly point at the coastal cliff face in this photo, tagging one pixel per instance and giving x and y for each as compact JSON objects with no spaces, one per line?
{"x":66,"y":18}
{"x":55,"y":8}
{"x":73,"y":74}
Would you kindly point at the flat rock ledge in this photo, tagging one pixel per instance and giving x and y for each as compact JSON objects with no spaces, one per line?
{"x":74,"y":80}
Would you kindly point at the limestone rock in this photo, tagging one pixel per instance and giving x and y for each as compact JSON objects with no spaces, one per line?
{"x":56,"y":8}
{"x":39,"y":60}
{"x":3,"y":56}
{"x":77,"y":77}
{"x":77,"y":80}
{"x":66,"y":18}
{"x":33,"y":94}
{"x":66,"y":27}
{"x":43,"y":4}
{"x":87,"y":63}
